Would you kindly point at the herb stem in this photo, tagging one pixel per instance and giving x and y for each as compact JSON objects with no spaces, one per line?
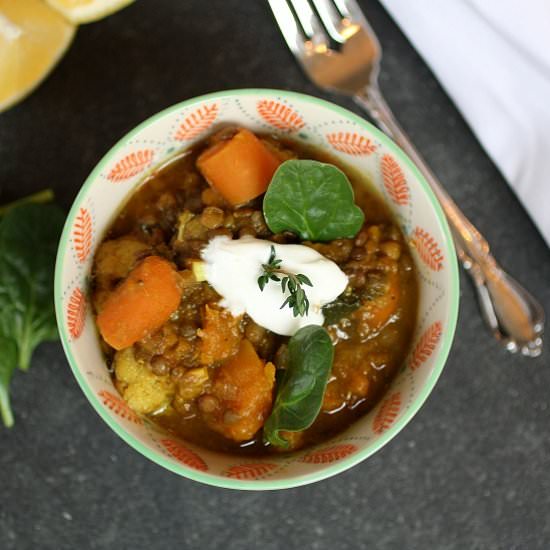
{"x":5,"y":408}
{"x":297,"y":299}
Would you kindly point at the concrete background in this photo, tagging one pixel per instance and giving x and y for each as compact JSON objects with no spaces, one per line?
{"x":470,"y":471}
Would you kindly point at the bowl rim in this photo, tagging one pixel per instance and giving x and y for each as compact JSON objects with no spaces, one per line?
{"x":330,"y":470}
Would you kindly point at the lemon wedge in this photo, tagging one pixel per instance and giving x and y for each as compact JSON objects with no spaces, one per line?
{"x":33,"y":37}
{"x":86,"y":11}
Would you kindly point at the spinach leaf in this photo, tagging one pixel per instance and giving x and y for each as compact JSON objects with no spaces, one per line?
{"x":42,"y":196}
{"x":29,"y":235}
{"x":313,"y":200}
{"x":342,"y":306}
{"x":303,"y":385}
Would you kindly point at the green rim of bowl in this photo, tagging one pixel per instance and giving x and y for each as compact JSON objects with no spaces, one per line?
{"x":329,"y":471}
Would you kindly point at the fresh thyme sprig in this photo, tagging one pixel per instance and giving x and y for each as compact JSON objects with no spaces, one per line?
{"x":297,"y":299}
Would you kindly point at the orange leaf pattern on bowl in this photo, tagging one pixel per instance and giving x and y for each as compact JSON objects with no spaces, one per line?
{"x":181,"y":126}
{"x":119,"y":406}
{"x":426,"y":345}
{"x":351,"y":143}
{"x":184,"y":455}
{"x":250,"y":471}
{"x":76,"y":313}
{"x":387,"y":413}
{"x":428,"y":249}
{"x":329,"y":454}
{"x":279,"y":115}
{"x":82,"y":234}
{"x":394,"y":181}
{"x":131,"y":165}
{"x":197,"y":122}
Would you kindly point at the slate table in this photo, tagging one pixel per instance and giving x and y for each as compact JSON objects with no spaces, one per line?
{"x":471,"y":471}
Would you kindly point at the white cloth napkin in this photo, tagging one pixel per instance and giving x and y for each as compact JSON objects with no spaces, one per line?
{"x":493,"y":59}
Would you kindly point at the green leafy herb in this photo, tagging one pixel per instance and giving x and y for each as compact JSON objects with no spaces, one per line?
{"x":29,"y":235}
{"x":342,"y":306}
{"x":376,"y":286}
{"x":300,"y":394}
{"x":313,"y":200}
{"x":41,"y":197}
{"x":296,"y":299}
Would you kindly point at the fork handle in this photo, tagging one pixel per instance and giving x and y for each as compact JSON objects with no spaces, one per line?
{"x":510,"y":311}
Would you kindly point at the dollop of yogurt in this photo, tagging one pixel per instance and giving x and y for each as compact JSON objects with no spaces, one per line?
{"x":232,"y":267}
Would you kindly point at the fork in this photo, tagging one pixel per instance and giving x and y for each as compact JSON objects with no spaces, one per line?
{"x":339,"y":51}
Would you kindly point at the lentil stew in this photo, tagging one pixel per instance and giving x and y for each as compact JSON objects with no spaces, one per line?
{"x":208,"y":376}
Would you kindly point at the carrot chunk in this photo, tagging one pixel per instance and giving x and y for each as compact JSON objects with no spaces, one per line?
{"x":240,"y":169}
{"x":141,"y":304}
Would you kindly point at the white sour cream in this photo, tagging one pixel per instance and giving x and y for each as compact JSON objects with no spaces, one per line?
{"x":232,"y":267}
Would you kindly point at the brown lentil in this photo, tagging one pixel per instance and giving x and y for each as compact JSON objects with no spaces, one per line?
{"x":212,"y":217}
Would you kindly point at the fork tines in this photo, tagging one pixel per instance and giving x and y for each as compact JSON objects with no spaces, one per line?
{"x":315,"y":22}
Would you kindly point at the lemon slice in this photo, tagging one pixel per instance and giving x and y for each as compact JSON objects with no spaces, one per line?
{"x":33,"y":37}
{"x":85,"y":11}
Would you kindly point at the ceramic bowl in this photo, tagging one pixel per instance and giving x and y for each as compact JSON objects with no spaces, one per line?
{"x":306,"y":119}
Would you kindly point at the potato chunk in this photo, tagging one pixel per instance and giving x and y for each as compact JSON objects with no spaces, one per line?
{"x":220,"y":335}
{"x":355,"y":372}
{"x":192,"y":383}
{"x":113,"y":261}
{"x":240,"y":399}
{"x":380,"y":304}
{"x":144,"y":391}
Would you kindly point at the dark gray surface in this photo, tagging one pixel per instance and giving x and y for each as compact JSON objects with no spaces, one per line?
{"x":470,"y":471}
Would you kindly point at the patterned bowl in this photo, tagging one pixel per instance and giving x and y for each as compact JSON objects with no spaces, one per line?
{"x":306,"y":119}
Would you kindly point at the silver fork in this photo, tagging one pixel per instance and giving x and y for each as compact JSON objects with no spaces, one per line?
{"x":338,"y":50}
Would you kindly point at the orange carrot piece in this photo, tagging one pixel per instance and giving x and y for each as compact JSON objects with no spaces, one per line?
{"x":240,"y":169}
{"x":141,"y":304}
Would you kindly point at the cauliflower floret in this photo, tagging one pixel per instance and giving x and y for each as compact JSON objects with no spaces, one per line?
{"x":144,"y":391}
